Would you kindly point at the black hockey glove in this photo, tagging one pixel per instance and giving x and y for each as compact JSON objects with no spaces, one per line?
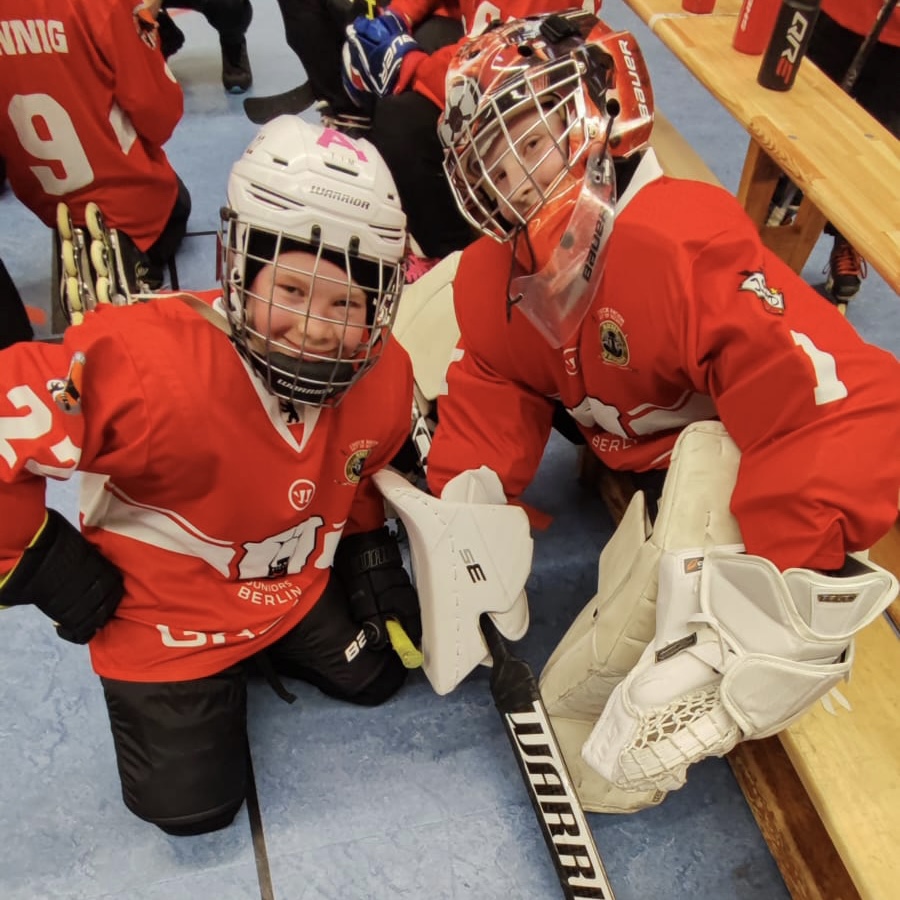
{"x":66,"y":578}
{"x":371,"y":570}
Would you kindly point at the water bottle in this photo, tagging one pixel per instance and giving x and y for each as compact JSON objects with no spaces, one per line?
{"x":755,"y":22}
{"x":787,"y":46}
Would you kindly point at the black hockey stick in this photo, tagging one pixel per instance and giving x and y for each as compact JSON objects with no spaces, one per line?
{"x":847,"y":84}
{"x":289,"y":103}
{"x":852,"y":73}
{"x":557,"y":807}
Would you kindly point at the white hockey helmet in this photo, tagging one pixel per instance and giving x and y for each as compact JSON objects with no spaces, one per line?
{"x":300,"y":186}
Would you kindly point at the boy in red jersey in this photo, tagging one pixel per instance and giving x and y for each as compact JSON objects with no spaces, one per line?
{"x":227,"y":443}
{"x":649,"y":311}
{"x":88,"y":104}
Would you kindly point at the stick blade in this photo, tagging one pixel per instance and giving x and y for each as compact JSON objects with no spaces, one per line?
{"x":260,"y":110}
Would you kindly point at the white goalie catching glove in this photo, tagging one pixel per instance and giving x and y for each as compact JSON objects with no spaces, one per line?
{"x":471,"y":553}
{"x":741,"y":651}
{"x":607,"y":638}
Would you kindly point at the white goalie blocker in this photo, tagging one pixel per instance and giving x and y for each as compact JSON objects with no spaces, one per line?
{"x":471,"y":553}
{"x":741,"y":651}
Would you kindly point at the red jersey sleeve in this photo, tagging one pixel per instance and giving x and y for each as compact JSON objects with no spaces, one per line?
{"x":489,"y":416}
{"x":51,"y":427}
{"x":431,"y":74}
{"x":415,"y":12}
{"x":390,"y":380}
{"x":814,"y":409}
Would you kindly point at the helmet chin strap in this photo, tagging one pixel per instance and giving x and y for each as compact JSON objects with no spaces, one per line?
{"x":296,"y":380}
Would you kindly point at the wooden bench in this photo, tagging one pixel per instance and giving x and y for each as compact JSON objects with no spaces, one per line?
{"x":835,"y":152}
{"x":826,"y":791}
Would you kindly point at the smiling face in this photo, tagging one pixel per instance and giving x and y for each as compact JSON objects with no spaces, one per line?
{"x":524,"y":163}
{"x":307,"y":309}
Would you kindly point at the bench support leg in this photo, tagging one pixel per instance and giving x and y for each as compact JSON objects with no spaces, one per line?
{"x":792,"y":243}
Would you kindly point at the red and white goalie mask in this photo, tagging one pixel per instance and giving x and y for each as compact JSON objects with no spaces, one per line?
{"x":536,"y":111}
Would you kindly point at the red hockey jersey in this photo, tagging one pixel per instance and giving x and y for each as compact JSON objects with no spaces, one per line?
{"x":222,"y":514}
{"x":86,"y":106}
{"x":694,"y":319}
{"x":859,"y":16}
{"x":475,"y":15}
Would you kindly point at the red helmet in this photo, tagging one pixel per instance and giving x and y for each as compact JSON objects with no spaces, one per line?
{"x":536,"y":110}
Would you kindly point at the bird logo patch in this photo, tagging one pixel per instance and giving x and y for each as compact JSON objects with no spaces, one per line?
{"x":67,"y":394}
{"x":772,"y":298}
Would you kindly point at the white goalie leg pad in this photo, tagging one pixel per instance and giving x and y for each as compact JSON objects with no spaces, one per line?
{"x":426,"y":326}
{"x":471,"y":553}
{"x":740,"y":652}
{"x":609,"y":635}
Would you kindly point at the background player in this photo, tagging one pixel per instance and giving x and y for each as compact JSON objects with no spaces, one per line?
{"x":649,"y":308}
{"x":227,"y":451}
{"x":230,"y":18}
{"x":404,"y":80}
{"x":88,"y":103}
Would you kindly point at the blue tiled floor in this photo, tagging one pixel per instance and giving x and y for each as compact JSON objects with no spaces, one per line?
{"x":420,"y":798}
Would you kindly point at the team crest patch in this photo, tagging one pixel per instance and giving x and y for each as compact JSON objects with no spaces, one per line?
{"x":355,"y":461}
{"x":773,"y":299}
{"x":66,"y":393}
{"x":614,"y":347}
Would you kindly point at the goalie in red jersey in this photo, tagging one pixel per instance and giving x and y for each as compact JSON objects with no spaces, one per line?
{"x":227,"y":443}
{"x":647,"y":311}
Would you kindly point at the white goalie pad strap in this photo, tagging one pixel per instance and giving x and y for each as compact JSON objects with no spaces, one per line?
{"x":782,"y":642}
{"x":471,"y":553}
{"x":609,"y":635}
{"x":426,"y":327}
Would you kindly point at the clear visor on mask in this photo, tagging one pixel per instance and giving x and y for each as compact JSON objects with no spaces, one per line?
{"x":557,"y":298}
